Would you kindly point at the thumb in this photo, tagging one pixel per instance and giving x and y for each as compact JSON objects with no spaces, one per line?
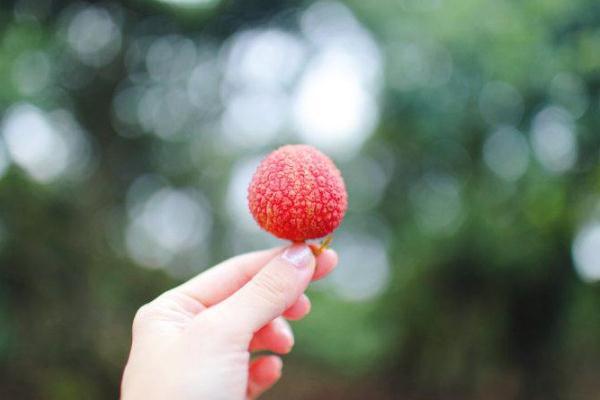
{"x":275,"y":288}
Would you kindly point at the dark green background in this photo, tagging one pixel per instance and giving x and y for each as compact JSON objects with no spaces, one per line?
{"x":480,"y":297}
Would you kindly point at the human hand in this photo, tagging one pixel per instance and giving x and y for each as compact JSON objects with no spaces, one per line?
{"x":194,"y":341}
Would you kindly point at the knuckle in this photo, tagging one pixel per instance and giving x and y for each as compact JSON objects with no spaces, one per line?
{"x":142,"y":315}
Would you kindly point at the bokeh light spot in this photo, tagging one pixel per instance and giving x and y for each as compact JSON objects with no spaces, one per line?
{"x":45,"y":146}
{"x":332,"y":108}
{"x":263,"y":59}
{"x":94,"y":36}
{"x":165,"y":224}
{"x":506,"y":153}
{"x":586,"y":253}
{"x":366,"y":270}
{"x":254,"y":119}
{"x":553,"y":139}
{"x":438,"y":204}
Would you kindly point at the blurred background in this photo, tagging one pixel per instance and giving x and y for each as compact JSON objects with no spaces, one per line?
{"x":467,"y":132}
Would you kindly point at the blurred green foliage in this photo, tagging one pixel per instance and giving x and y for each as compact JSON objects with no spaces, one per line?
{"x":475,"y":191}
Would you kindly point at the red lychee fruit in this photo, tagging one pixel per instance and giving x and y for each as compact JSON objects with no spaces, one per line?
{"x":297,"y":193}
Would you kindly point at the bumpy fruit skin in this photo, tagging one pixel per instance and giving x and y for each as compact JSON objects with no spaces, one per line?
{"x":297,"y":193}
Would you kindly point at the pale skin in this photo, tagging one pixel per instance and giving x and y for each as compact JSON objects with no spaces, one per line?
{"x":194,"y":342}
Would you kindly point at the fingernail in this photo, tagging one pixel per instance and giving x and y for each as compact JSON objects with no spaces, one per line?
{"x":299,"y":255}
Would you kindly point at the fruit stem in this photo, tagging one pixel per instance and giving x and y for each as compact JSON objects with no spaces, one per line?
{"x":324,"y":245}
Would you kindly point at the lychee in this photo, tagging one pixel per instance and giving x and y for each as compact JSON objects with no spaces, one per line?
{"x":297,"y":193}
